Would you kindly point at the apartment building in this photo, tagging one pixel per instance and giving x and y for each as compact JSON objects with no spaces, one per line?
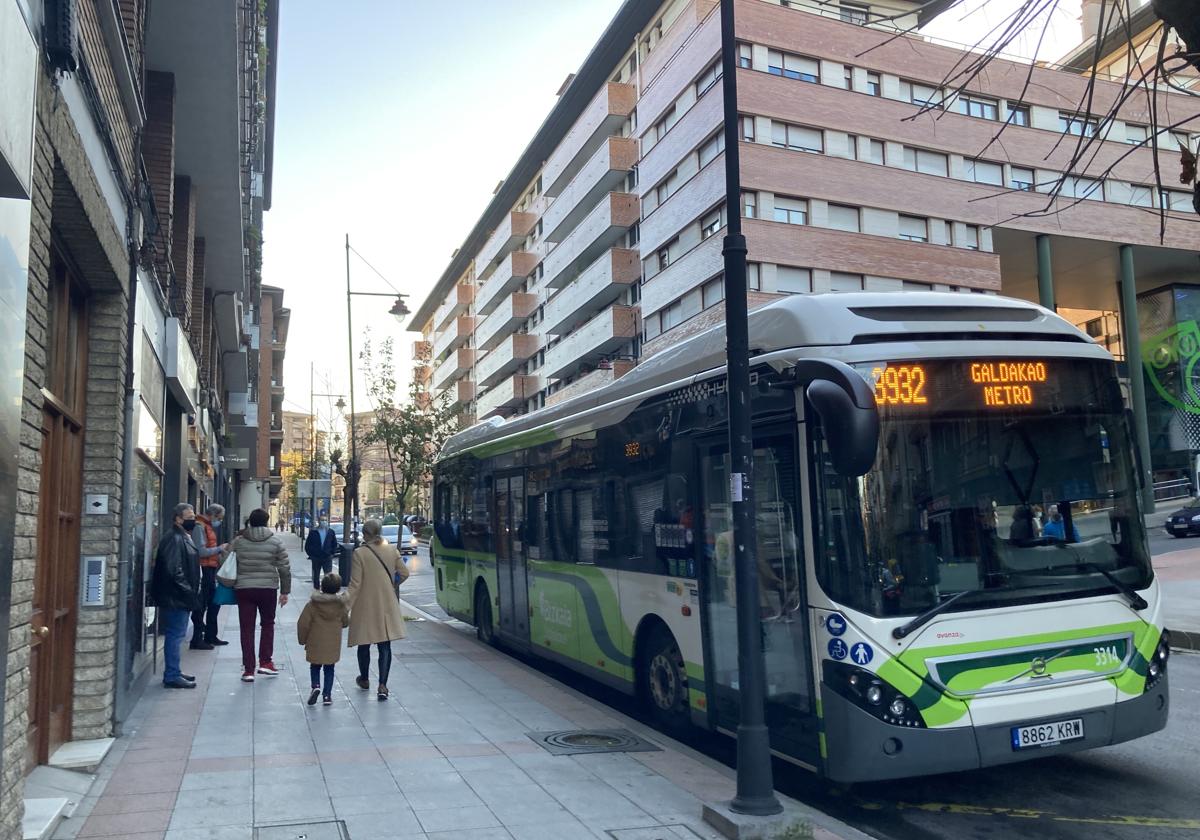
{"x":270,"y":348}
{"x":134,"y":171}
{"x":604,"y":243}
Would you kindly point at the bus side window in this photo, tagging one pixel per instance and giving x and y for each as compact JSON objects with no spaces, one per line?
{"x":535,"y":507}
{"x":563,"y":526}
{"x":673,"y":524}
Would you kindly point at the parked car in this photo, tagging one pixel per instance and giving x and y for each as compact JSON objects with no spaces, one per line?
{"x":401,"y":537}
{"x":415,"y":521}
{"x":1186,"y":521}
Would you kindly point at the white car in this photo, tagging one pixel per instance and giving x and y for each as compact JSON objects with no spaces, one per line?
{"x":401,"y":537}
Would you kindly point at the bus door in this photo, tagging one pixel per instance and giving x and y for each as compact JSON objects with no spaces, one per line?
{"x":510,"y":556}
{"x":791,"y":711}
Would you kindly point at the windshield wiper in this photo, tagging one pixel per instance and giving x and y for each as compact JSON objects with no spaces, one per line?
{"x":1135,"y":600}
{"x":923,"y":618}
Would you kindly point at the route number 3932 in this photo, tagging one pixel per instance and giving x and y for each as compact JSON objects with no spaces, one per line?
{"x":1106,"y":656}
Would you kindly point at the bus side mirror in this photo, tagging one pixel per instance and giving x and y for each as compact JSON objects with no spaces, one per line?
{"x":851,"y":430}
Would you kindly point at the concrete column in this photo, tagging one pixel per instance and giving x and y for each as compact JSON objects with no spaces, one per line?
{"x":1137,"y":385}
{"x":1045,"y":276}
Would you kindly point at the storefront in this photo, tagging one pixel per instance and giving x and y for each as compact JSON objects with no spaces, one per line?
{"x":1169,"y":321}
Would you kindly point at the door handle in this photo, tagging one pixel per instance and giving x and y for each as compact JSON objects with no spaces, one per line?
{"x":40,"y":632}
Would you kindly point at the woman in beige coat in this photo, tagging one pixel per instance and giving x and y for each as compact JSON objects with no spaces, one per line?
{"x":375,"y":617}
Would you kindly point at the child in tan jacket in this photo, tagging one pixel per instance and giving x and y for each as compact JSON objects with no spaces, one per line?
{"x":320,"y":631}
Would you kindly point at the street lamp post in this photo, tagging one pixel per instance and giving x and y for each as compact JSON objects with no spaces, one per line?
{"x":399,"y":310}
{"x":755,"y":785}
{"x":312,"y":426}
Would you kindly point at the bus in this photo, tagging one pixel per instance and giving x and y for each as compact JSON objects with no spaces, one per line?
{"x":952,"y":563}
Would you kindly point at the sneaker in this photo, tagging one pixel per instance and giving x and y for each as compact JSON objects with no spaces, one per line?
{"x":381,"y":693}
{"x":328,"y":701}
{"x":200,"y":646}
{"x":363,"y":683}
{"x":188,"y":677}
{"x":179,"y":684}
{"x":312,"y":698}
{"x":268,"y":668}
{"x":215,"y":642}
{"x":247,"y":676}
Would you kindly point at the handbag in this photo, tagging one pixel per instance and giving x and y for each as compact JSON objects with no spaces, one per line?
{"x":224,"y":596}
{"x":227,"y":574}
{"x":397,"y":578}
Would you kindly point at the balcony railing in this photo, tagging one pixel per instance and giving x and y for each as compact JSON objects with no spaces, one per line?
{"x":505,"y":358}
{"x":591,"y":381}
{"x":513,"y":228}
{"x":600,"y":284}
{"x":602,"y":173}
{"x":455,"y":335}
{"x":604,"y":116}
{"x":509,"y":275}
{"x":598,"y":337}
{"x":506,"y":394}
{"x":457,"y":363}
{"x":422,"y":351}
{"x":421,"y":373}
{"x":456,"y":303}
{"x":506,"y":317}
{"x":461,"y":392}
{"x":600,"y":229}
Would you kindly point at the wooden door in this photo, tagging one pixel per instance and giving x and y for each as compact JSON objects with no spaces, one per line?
{"x":60,"y":502}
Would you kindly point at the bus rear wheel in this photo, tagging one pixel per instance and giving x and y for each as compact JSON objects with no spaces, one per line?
{"x":664,"y":680}
{"x":484,"y":631}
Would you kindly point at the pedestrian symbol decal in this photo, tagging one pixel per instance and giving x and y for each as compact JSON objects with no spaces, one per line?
{"x":837,"y":649}
{"x":835,"y":624}
{"x":862,"y":653}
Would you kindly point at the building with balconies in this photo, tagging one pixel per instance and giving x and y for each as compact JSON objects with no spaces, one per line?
{"x":274,"y":319}
{"x":859,"y":171}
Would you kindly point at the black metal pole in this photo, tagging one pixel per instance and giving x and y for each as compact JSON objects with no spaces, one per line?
{"x":755,"y":784}
{"x":352,"y":470}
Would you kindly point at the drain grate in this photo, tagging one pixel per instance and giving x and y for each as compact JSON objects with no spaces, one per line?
{"x":658,"y":832}
{"x":579,"y":741}
{"x":328,"y":830}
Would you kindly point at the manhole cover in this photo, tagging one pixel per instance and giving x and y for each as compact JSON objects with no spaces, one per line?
{"x":658,"y":832}
{"x":575,"y":741}
{"x":328,"y":830}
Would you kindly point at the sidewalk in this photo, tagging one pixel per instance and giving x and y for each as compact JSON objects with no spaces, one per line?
{"x":447,"y":756}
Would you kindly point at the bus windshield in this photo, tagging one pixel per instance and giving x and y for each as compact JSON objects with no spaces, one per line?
{"x":1012,"y":476}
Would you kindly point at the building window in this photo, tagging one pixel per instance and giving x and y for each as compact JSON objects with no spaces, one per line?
{"x":1135,"y":134}
{"x":1176,"y":200}
{"x":873,"y":84}
{"x":750,"y":205}
{"x":1021,"y":179}
{"x":664,"y":190}
{"x":664,"y":257}
{"x":1180,"y":141}
{"x":874,"y":151}
{"x":1018,"y":114}
{"x":745,"y":56}
{"x":666,"y":123}
{"x":708,"y":78}
{"x":978,"y":106}
{"x":712,"y":223}
{"x":793,"y":66}
{"x":713,"y":292}
{"x":1074,"y":186}
{"x":1141,"y":195}
{"x":792,"y":281}
{"x":672,"y":315}
{"x":914,"y":228}
{"x":791,"y":211}
{"x":797,"y":137}
{"x":919,"y":94}
{"x":922,"y":160}
{"x":855,"y":13}
{"x":711,"y":148}
{"x":848,"y":78}
{"x":985,"y":172}
{"x":753,"y":276}
{"x":840,"y":281}
{"x":1077,"y":125}
{"x":852,"y":146}
{"x":970,"y":237}
{"x":748,"y":129}
{"x":843,"y":217}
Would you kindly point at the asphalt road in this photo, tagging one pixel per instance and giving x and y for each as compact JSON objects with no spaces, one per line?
{"x":1147,"y":789}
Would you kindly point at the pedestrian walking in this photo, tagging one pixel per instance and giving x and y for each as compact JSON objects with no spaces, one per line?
{"x":320,"y":546}
{"x":319,"y":629}
{"x":175,"y":589}
{"x":375,"y":617}
{"x":262,"y":573}
{"x":205,"y":618}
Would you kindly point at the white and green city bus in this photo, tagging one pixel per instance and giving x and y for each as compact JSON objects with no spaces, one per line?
{"x":952,"y":562}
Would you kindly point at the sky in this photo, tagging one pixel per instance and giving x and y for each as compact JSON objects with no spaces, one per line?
{"x":394,"y":123}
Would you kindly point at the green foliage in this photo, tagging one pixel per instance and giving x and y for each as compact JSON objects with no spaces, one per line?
{"x":411,"y":433}
{"x":391,"y":519}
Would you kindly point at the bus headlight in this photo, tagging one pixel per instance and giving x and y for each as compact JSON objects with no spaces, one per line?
{"x":867,"y":691}
{"x":1157,"y":665}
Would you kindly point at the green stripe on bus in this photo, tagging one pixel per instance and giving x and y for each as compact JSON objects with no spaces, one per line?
{"x":524,"y":440}
{"x":461,"y":553}
{"x":593,"y":611}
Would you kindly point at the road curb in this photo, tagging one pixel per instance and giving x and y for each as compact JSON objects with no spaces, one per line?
{"x":1184,"y":639}
{"x":417,"y":612}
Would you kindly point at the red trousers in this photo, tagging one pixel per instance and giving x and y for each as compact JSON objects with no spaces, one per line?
{"x":260,"y":603}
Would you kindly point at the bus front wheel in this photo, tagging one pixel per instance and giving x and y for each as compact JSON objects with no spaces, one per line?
{"x":483,"y":616}
{"x":664,"y":680}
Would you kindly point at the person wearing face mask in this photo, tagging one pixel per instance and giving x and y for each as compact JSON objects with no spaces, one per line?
{"x":175,"y":590}
{"x":321,"y":546}
{"x":204,"y":619}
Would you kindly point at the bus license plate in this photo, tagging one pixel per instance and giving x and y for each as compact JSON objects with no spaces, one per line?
{"x":1046,"y":734}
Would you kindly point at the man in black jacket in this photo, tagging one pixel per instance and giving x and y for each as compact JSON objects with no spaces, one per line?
{"x":320,"y":546}
{"x":175,"y":589}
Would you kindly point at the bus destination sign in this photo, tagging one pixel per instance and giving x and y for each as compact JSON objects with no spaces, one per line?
{"x":998,"y":383}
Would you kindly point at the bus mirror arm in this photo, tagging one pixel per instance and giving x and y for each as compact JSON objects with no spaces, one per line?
{"x":846,"y":405}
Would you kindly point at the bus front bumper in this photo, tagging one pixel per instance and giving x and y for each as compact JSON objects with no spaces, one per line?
{"x":862,"y":748}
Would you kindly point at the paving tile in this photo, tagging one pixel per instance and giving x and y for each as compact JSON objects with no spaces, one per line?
{"x":427,"y":799}
{"x":351,"y":781}
{"x":121,"y":783}
{"x":133,"y":803}
{"x":123,"y":825}
{"x":216,"y":765}
{"x":556,"y":830}
{"x":293,"y":802}
{"x":399,"y":822}
{"x":474,"y":834}
{"x":230,"y":779}
{"x":471,"y":818}
{"x":285,"y":760}
{"x":468,"y":750}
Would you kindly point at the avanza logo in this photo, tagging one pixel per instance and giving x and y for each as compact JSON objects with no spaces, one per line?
{"x":554,"y":614}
